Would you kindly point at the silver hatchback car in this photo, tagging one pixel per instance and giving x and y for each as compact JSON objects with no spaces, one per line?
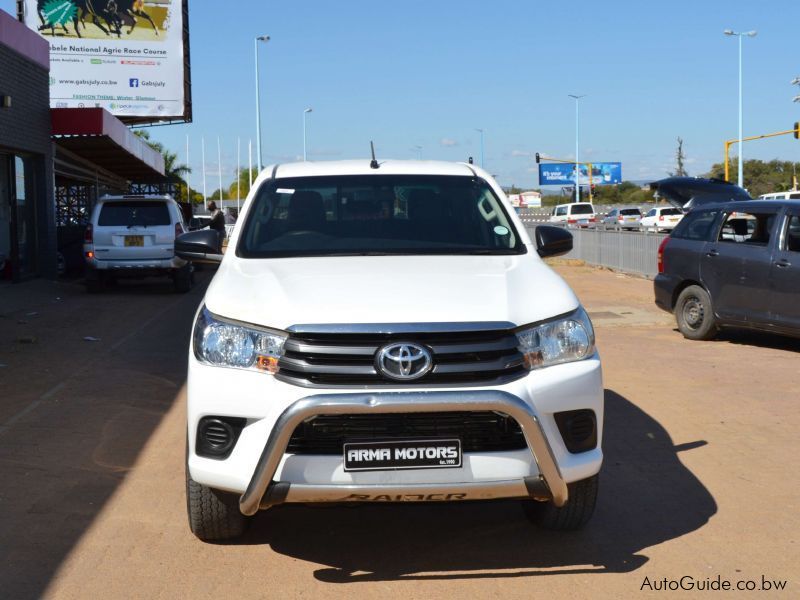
{"x":622,"y":218}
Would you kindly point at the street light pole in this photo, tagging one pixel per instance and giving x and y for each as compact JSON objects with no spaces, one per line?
{"x":261,"y":38}
{"x":577,"y":164}
{"x":305,"y":112}
{"x":740,"y":35}
{"x":419,"y":152}
{"x":481,"y":132}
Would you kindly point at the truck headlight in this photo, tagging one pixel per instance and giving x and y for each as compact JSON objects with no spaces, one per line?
{"x":224,"y":343}
{"x":564,"y":340}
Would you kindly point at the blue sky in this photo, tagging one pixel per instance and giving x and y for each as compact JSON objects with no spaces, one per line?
{"x":427,"y":74}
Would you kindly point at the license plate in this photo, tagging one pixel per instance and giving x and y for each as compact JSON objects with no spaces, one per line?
{"x":405,"y":454}
{"x":629,"y":219}
{"x":583,"y":222}
{"x":134,"y":240}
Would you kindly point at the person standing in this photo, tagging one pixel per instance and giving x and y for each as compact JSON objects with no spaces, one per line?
{"x":217,"y":222}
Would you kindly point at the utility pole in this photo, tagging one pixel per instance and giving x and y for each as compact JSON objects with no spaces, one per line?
{"x":577,"y":159}
{"x":740,"y":35}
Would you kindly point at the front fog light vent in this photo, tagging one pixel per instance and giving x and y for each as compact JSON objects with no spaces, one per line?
{"x":578,"y":428}
{"x":216,"y":436}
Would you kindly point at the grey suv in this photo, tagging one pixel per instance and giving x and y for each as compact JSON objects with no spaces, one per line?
{"x":733,"y":264}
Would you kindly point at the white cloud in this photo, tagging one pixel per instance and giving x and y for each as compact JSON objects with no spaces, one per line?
{"x":520,"y":153}
{"x":447,"y":142}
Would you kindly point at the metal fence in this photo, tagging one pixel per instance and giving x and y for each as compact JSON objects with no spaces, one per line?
{"x":632,"y":252}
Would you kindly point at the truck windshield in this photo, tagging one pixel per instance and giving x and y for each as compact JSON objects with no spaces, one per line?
{"x":376,"y":215}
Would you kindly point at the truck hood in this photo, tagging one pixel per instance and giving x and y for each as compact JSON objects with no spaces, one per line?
{"x":279,"y":293}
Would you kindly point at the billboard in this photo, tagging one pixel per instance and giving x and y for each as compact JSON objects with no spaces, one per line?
{"x":604,"y":173}
{"x":129,"y":57}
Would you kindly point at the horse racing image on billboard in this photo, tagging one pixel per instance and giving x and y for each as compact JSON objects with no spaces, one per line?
{"x":126,"y":56}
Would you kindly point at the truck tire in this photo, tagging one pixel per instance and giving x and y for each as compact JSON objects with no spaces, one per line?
{"x":570,"y":517}
{"x":183,"y":279}
{"x":694,"y":314}
{"x":213,"y":514}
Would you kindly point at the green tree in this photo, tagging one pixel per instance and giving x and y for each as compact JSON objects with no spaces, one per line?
{"x":174,"y":171}
{"x":760,"y":177}
{"x":243,"y":181}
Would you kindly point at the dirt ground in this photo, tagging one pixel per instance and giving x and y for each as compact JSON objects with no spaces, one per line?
{"x":700,"y":476}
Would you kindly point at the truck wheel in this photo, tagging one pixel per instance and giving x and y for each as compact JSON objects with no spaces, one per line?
{"x":213,"y":515}
{"x":570,"y":517}
{"x":183,"y":279}
{"x":695,"y":314}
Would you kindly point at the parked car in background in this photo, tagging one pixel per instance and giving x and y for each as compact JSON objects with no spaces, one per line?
{"x":790,"y":195}
{"x":134,"y":236}
{"x":575,"y":214}
{"x":622,"y":218}
{"x":661,"y":218}
{"x":733,"y":264}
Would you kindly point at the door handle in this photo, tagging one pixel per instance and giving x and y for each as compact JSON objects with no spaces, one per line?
{"x":783,"y":263}
{"x":712,"y":253}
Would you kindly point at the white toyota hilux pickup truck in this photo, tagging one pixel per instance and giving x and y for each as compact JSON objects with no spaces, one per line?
{"x":388,"y":332}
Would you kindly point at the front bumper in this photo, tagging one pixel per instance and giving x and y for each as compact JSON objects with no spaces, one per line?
{"x":262,"y":400}
{"x":263,"y":492}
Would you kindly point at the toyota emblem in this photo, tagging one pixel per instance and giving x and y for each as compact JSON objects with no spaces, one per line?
{"x":403,"y":361}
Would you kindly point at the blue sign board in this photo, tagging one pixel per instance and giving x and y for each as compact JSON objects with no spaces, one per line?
{"x":564,"y":173}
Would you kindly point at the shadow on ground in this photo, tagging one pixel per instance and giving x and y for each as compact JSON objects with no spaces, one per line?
{"x":760,"y":339}
{"x":647,"y":497}
{"x":64,"y":456}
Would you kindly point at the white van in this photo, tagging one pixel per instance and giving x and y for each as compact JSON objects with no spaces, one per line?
{"x":790,"y":195}
{"x":134,"y":236}
{"x":576,"y":214}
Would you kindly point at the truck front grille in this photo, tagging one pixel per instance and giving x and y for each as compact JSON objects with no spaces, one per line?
{"x":348,"y":359}
{"x":478,"y":431}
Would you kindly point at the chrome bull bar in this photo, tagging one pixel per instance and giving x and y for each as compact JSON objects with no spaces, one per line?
{"x":263,"y":492}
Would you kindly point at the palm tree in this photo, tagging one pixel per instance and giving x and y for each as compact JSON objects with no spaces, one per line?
{"x":174,"y":172}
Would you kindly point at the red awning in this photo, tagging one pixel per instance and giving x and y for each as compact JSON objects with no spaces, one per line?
{"x":96,"y":135}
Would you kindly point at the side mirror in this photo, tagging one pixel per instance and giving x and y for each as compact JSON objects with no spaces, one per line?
{"x":201,"y":246}
{"x":552,"y":241}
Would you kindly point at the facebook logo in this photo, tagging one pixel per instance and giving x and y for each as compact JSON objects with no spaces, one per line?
{"x":133,"y":82}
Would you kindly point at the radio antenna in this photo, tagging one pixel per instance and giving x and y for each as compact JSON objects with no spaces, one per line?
{"x":373,"y":163}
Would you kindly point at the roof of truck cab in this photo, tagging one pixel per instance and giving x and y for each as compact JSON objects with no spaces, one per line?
{"x":361,"y":167}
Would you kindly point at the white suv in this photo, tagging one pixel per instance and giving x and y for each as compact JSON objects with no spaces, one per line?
{"x":134,"y":236}
{"x":388,"y":333}
{"x":575,"y":214}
